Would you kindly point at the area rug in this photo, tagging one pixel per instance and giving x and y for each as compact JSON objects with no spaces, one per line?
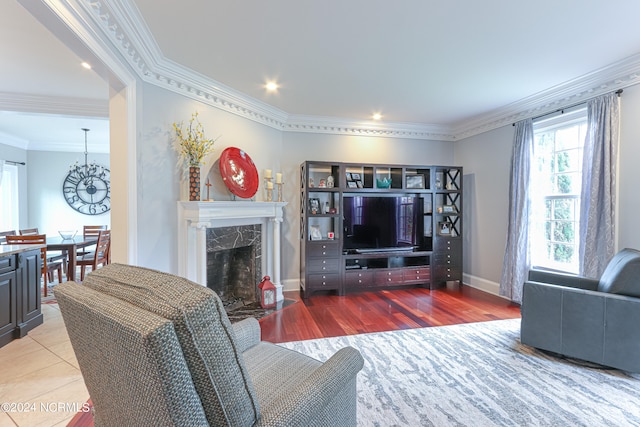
{"x":478,"y":375}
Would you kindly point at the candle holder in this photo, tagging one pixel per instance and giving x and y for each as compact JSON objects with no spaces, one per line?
{"x":268,"y":192}
{"x":280,"y":190}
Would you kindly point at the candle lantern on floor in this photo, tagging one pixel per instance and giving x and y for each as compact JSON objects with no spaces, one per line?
{"x":267,"y":293}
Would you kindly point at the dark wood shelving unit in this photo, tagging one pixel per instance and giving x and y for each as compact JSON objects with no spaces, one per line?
{"x":325,"y":264}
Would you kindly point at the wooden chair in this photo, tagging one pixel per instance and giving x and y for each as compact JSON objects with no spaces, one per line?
{"x":90,"y":231}
{"x":29,"y":232}
{"x":98,"y":257}
{"x":4,"y":234}
{"x":48,"y":268}
{"x":52,"y":257}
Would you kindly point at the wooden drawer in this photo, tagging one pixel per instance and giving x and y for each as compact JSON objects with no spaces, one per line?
{"x":324,"y":249}
{"x":417,"y":274}
{"x":319,"y":265}
{"x":384,"y":277}
{"x":323,"y":281}
{"x":449,"y":273}
{"x":7,"y":263}
{"x":358,"y":279}
{"x":447,"y":258}
{"x":447,"y":244}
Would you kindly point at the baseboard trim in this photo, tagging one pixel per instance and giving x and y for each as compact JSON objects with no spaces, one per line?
{"x":468,"y":279}
{"x":482,"y":284}
{"x":290,"y":285}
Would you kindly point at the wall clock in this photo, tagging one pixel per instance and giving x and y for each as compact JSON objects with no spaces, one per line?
{"x":87,"y":189}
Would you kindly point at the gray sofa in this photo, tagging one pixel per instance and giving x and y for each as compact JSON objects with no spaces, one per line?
{"x":157,"y":349}
{"x":593,"y":320}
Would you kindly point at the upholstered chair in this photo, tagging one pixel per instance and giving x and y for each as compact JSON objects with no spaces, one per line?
{"x":595,"y":320}
{"x":157,"y":349}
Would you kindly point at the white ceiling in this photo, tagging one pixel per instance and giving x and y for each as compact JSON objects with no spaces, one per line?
{"x":423,"y":62}
{"x":39,"y":73}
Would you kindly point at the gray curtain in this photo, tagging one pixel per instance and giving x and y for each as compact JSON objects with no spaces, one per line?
{"x":598,"y":198}
{"x":517,"y":259}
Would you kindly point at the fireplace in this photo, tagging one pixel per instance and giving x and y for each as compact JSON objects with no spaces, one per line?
{"x":199,"y":220}
{"x":234,"y":263}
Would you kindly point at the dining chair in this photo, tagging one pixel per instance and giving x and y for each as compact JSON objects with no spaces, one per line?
{"x":48,"y":268}
{"x":90,"y":231}
{"x":51,"y":257}
{"x":4,"y":234}
{"x":98,"y":257}
{"x":29,"y":231}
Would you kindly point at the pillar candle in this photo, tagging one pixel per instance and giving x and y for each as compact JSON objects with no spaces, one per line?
{"x":267,"y":173}
{"x":278,"y":178}
{"x":270,"y":185}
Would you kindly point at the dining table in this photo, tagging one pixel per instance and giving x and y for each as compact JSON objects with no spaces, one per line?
{"x":70,"y":247}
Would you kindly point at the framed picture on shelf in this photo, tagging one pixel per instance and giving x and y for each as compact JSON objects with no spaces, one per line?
{"x":414,"y":181}
{"x":449,"y":209}
{"x":349,"y":177}
{"x":444,"y":228}
{"x":355,"y":176}
{"x":352,"y":184}
{"x":314,"y":206}
{"x":314,"y":233}
{"x":359,"y":184}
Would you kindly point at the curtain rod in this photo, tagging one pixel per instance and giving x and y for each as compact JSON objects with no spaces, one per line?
{"x":618,"y":92}
{"x":11,"y":162}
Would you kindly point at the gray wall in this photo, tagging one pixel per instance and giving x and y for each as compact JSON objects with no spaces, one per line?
{"x":48,"y":210}
{"x":42,"y":203}
{"x":160,"y":183}
{"x":486,"y":159}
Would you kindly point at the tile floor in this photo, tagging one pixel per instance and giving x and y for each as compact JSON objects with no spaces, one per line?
{"x":40,"y":381}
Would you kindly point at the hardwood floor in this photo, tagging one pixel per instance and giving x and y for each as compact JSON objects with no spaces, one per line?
{"x":331,"y":315}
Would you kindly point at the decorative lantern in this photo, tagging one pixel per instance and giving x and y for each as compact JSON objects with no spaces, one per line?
{"x":267,"y":293}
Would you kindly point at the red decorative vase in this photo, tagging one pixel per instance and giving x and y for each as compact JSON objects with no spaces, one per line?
{"x":194,"y":184}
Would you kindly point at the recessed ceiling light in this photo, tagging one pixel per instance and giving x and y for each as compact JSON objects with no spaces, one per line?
{"x":271,"y":86}
{"x":86,"y":65}
{"x":376,"y":116}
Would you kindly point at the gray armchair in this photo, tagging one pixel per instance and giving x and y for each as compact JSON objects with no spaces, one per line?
{"x":593,"y":320}
{"x":157,"y":349}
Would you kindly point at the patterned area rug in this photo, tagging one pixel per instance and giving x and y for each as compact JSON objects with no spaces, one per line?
{"x":478,"y":375}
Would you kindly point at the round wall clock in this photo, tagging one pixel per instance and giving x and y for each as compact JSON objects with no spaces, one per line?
{"x":87,"y":189}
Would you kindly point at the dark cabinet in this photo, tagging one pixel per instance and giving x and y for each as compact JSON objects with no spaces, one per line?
{"x":410,"y":215}
{"x":20,"y":309}
{"x":322,"y":269}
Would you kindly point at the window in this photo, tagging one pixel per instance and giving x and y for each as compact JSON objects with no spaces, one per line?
{"x":556,"y":184}
{"x":9,"y":197}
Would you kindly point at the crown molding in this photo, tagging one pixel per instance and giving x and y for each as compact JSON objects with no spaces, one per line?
{"x":68,"y":147}
{"x":123,"y":25}
{"x":53,"y":105}
{"x":13,"y":141}
{"x":618,"y":75}
{"x":339,"y":126}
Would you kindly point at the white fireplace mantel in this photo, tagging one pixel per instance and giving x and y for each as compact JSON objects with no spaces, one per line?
{"x":195,"y":217}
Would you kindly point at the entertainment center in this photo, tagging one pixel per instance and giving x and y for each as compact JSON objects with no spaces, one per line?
{"x":379,"y":226}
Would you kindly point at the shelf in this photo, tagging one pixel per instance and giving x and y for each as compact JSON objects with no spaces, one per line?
{"x":438,"y":232}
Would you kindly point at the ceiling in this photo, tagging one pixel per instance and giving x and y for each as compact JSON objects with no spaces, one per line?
{"x":426,"y":62}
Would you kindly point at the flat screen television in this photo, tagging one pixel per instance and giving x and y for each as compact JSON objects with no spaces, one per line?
{"x":374,"y":223}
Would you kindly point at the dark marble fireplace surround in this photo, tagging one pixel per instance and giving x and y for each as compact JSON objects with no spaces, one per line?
{"x":234,"y":263}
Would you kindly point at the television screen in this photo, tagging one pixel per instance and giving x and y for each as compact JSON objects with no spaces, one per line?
{"x":379,"y":223}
